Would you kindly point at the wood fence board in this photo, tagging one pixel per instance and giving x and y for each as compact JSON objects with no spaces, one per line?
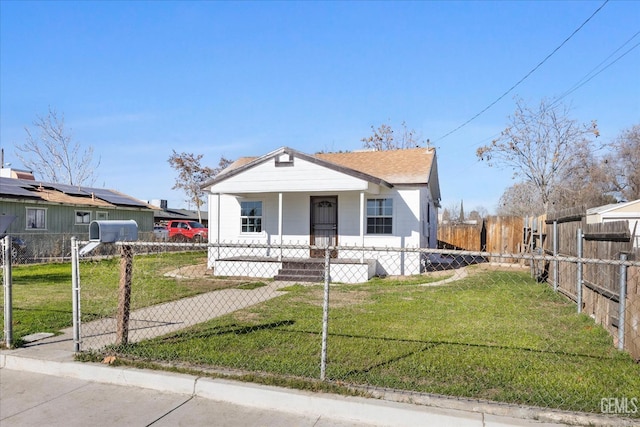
{"x":601,"y":281}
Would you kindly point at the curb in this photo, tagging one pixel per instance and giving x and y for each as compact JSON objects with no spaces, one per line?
{"x":388,"y":409}
{"x":348,"y":408}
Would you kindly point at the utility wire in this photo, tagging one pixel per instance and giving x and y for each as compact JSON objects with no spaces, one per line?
{"x":584,"y":80}
{"x":525,"y":77}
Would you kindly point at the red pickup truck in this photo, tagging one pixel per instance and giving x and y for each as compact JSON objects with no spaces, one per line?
{"x":183,"y":230}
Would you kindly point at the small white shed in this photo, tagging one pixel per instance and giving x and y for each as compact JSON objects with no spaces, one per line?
{"x":627,"y":211}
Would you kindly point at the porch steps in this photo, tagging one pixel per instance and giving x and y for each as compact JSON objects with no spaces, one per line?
{"x":301,"y":271}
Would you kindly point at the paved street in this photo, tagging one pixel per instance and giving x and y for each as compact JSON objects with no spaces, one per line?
{"x":43,"y":385}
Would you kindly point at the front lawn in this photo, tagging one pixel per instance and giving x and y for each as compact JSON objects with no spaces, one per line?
{"x":494,"y":335}
{"x":42,"y":295}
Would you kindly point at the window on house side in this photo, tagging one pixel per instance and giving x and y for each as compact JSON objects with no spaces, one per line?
{"x":379,"y":216}
{"x":251,"y":216}
{"x":83,"y":217}
{"x":36,"y":219}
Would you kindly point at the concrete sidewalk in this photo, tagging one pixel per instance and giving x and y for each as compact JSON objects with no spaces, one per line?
{"x":43,"y":385}
{"x":161,"y":319}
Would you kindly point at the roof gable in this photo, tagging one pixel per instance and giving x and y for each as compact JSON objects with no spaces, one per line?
{"x":416,"y":166}
{"x":286,"y":157}
{"x":631,"y":206}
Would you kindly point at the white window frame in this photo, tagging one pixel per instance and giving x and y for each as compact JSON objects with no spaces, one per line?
{"x":102,"y":215}
{"x":254,"y":217}
{"x":44,"y":220}
{"x":82,"y":215}
{"x":379,"y":214}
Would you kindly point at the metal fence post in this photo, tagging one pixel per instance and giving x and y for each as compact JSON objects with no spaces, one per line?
{"x":622,"y":305}
{"x":556,"y":264}
{"x":75,"y":292}
{"x":579,"y":272}
{"x":325,"y":312}
{"x":8,"y":298}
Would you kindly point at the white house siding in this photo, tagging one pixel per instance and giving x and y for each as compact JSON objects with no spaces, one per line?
{"x":414,"y":214}
{"x":429,"y":215}
{"x":303,"y":176}
{"x":408,"y":231}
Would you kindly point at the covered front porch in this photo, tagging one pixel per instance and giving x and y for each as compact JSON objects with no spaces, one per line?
{"x":342,"y":270}
{"x":289,"y":205}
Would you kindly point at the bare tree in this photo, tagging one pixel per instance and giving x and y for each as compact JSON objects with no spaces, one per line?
{"x":451,"y":213}
{"x":446,"y":216}
{"x":622,"y":165}
{"x":540,"y":146}
{"x":52,"y":154}
{"x":384,"y":138}
{"x":481,"y":212}
{"x":478,"y":214}
{"x":191,"y":174}
{"x":521,"y":199}
{"x":585,"y":184}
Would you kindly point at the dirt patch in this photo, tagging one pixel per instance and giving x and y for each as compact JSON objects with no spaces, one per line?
{"x":337,"y":297}
{"x":201,"y":278}
{"x":430,"y":274}
{"x":189,"y":272}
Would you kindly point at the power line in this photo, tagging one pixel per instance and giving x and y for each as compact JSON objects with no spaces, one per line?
{"x":526,"y":76}
{"x":584,"y":80}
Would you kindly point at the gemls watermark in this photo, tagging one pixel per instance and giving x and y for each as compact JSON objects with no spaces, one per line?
{"x":619,"y":405}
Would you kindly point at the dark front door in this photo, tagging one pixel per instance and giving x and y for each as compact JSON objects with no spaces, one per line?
{"x":324,"y":224}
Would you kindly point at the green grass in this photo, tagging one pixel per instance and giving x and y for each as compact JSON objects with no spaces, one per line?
{"x":42,"y":295}
{"x":495,"y":335}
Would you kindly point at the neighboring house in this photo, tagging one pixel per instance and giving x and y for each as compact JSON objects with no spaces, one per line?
{"x":360,"y":199}
{"x":627,"y":211}
{"x":47,"y":211}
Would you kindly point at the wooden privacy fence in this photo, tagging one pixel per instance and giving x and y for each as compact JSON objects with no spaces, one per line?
{"x":496,"y":234}
{"x":601,"y":274}
{"x":603,"y":278}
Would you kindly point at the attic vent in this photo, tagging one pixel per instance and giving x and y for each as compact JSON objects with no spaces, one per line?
{"x":284,"y":159}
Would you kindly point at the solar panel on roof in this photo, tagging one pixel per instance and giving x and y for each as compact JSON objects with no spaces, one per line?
{"x":16,"y":187}
{"x":27,"y":188}
{"x":116,"y":198}
{"x":72,"y":190}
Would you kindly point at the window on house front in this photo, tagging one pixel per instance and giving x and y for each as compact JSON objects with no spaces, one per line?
{"x":36,"y":219}
{"x":379,"y":216}
{"x":251,"y":216}
{"x":100,"y":216}
{"x":83,"y":217}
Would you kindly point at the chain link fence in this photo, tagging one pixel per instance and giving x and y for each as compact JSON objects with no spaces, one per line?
{"x":36,"y":248}
{"x":471,"y":324}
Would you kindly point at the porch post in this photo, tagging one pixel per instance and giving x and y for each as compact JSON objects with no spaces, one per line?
{"x":362,"y":225}
{"x":280,"y":224}
{"x":218,"y":229}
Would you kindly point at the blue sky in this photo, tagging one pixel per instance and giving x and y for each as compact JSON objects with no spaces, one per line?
{"x":136,"y":80}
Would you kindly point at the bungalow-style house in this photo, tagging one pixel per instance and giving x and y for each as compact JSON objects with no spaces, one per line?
{"x":362,"y":199}
{"x":46,"y":214}
{"x":627,"y":211}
